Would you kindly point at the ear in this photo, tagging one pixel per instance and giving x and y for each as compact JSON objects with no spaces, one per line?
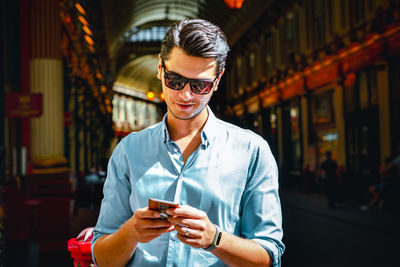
{"x":159,"y":67}
{"x":219,"y":78}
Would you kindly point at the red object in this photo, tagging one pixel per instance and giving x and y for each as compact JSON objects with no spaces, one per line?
{"x":23,"y":105}
{"x":81,"y":252}
{"x":67,"y":119}
{"x":234,"y":4}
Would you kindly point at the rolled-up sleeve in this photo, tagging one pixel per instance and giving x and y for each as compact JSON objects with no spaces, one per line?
{"x":115,"y":208}
{"x":261,"y":208}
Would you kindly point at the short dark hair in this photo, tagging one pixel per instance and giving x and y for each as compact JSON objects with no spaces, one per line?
{"x":199,"y":38}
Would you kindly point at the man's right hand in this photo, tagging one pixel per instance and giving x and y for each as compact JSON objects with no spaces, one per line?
{"x":116,"y":249}
{"x":147,"y":225}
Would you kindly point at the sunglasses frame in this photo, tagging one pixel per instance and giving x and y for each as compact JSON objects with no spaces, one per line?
{"x":187,"y":80}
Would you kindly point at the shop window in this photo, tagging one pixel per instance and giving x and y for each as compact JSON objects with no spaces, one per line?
{"x":252,"y":69}
{"x":292,"y":137}
{"x":350,"y":93}
{"x":295,"y":129}
{"x":367,"y":88}
{"x":322,"y":107}
{"x":269,"y":60}
{"x":273,"y":131}
{"x":291,"y":34}
{"x":273,"y":123}
{"x":327,"y":141}
{"x":373,"y":86}
{"x":343,"y":16}
{"x":290,"y":31}
{"x":358,"y":11}
{"x":363,"y":89}
{"x":239,"y":76}
{"x":319,"y":22}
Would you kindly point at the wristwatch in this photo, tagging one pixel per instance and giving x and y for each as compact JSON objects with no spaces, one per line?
{"x":216,"y":241}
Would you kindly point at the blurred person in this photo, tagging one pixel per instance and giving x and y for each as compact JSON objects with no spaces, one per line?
{"x":377,"y":190}
{"x":330,"y":178}
{"x":224,"y":178}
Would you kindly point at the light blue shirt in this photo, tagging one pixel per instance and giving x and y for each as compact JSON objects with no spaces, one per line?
{"x":232,"y":176}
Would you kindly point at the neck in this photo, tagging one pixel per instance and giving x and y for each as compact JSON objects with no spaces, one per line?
{"x":179,"y":129}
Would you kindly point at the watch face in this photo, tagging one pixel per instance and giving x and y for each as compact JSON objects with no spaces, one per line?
{"x":218,"y":239}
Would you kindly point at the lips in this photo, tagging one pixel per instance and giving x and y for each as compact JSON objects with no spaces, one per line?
{"x":184,"y":105}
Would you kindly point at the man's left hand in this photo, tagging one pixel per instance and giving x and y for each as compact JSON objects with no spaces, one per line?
{"x":193,"y":226}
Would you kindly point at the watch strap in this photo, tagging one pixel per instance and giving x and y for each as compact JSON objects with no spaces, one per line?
{"x":216,"y":240}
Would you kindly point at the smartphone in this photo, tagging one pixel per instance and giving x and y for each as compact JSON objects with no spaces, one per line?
{"x":161,"y":206}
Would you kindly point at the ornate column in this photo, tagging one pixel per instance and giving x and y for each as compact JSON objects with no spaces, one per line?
{"x":46,"y":77}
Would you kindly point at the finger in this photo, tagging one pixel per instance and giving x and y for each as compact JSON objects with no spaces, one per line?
{"x":156,"y":231}
{"x":147,"y":213}
{"x":156,"y":223}
{"x":191,"y":223}
{"x":189,"y":240}
{"x":186,"y":211}
{"x":187,"y":232}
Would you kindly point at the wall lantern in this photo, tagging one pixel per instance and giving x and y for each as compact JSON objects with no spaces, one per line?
{"x":234,"y":4}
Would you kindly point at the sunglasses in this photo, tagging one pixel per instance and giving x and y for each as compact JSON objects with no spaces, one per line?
{"x":175,"y":81}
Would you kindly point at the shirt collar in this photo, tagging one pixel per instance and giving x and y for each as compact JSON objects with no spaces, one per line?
{"x":165,"y":129}
{"x":210,"y":129}
{"x":207,"y":135}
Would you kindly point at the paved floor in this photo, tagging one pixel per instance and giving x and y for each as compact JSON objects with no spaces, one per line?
{"x":315,"y":235}
{"x":381,"y":220}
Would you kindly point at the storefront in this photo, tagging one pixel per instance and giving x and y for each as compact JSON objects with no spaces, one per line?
{"x":324,"y":135}
{"x":291,"y":136}
{"x":270,"y":119}
{"x":270,"y":128}
{"x":362,"y":126}
{"x":323,"y":101}
{"x":292,"y":146}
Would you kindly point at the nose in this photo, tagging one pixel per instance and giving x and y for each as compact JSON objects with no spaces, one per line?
{"x":186,"y":92}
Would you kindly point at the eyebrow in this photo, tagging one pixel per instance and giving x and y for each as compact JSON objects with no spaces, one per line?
{"x":177,"y":74}
{"x":170,"y":72}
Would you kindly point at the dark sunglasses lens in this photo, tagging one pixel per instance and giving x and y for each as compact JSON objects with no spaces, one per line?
{"x":201,"y":87}
{"x":174,"y":83}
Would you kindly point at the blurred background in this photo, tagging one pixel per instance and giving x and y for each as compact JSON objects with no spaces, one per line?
{"x":310,"y":76}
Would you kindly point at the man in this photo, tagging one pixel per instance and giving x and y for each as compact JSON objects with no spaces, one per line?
{"x":223,"y":177}
{"x":330,"y":168}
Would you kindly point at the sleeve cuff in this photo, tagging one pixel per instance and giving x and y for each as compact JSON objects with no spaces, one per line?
{"x":274,"y":252}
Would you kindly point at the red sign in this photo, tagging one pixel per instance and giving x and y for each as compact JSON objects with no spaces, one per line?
{"x":23,"y":105}
{"x":293,"y":89}
{"x":270,"y":99}
{"x":322,"y":76}
{"x":362,"y":58}
{"x":394,"y":44}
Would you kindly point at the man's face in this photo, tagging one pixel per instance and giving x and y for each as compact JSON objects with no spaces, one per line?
{"x":184,"y":104}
